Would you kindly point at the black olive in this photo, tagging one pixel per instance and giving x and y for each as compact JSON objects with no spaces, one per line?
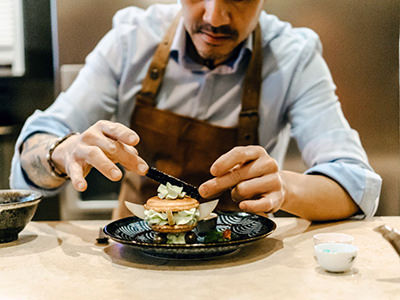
{"x":190,"y":237}
{"x":160,"y":238}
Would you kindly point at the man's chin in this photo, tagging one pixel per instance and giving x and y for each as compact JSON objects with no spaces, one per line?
{"x":214,"y":54}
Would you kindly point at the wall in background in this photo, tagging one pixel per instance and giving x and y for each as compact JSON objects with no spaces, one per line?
{"x":360,"y":40}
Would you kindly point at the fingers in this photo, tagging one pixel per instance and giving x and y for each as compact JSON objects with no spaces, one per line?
{"x":253,"y":175}
{"x":268,"y":203}
{"x":252,"y":188}
{"x":118,"y":132}
{"x":109,"y":146}
{"x":266,"y":194}
{"x":75,"y":173}
{"x":237,"y":156}
{"x":129,"y":158}
{"x":114,"y":140}
{"x":239,"y":173}
{"x":124,"y":154}
{"x":101,"y":146}
{"x":95,"y":157}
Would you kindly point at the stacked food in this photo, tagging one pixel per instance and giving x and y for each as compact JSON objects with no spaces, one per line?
{"x":172,"y":214}
{"x":180,"y":219}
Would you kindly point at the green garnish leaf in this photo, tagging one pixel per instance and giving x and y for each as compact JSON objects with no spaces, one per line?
{"x":217,"y":236}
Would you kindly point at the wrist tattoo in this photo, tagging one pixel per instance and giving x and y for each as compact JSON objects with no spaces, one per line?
{"x":34,"y":162}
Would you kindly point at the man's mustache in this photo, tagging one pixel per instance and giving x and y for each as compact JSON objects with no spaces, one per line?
{"x":224,"y":29}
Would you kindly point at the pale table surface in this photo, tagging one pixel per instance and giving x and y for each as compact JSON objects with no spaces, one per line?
{"x":61,"y":260}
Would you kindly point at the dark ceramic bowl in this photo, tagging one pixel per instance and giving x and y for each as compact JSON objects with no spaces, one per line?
{"x":17,"y":208}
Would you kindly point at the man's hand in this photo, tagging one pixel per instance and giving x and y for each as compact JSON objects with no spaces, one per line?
{"x":101,"y":146}
{"x":253,"y":177}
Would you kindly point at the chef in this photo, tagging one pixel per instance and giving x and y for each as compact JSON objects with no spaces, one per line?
{"x":208,"y":91}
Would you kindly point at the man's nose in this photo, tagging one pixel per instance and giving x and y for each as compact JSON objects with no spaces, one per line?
{"x":216,"y":13}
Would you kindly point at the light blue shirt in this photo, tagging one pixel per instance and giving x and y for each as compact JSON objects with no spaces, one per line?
{"x":298,"y":96}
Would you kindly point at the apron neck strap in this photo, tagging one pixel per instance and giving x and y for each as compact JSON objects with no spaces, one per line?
{"x":155,"y":73}
{"x":248,"y":118}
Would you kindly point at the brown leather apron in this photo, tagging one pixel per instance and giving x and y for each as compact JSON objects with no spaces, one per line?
{"x":182,"y":146}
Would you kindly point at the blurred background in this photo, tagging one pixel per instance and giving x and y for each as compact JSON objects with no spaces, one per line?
{"x":360,"y":40}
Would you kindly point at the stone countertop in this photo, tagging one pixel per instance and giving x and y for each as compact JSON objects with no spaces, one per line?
{"x":61,"y":260}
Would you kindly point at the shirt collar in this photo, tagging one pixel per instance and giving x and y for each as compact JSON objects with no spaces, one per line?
{"x":179,"y":54}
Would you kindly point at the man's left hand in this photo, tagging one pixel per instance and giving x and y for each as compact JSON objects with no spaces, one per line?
{"x":253,"y":177}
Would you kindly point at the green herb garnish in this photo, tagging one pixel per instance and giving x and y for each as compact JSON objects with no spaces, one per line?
{"x":217,"y":236}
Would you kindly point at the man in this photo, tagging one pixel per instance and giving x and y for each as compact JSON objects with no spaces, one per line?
{"x":208,"y":97}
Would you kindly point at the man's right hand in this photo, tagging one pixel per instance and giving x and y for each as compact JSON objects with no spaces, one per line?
{"x":101,"y":146}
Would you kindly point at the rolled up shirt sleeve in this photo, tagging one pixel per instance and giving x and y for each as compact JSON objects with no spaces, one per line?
{"x":362,"y":184}
{"x":328,"y":144}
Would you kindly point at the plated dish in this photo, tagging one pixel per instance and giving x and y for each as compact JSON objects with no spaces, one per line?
{"x":245,"y":228}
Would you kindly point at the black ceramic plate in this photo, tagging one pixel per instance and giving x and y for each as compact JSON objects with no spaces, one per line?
{"x":245,"y":228}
